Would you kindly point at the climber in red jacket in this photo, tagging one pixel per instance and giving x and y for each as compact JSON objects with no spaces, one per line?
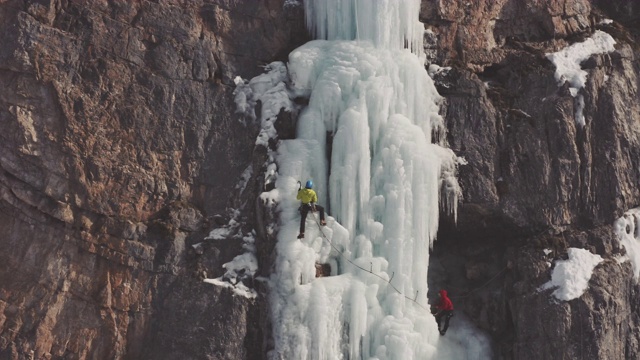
{"x":445,"y":310}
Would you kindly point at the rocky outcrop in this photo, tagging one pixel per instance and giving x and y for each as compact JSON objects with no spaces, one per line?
{"x":475,"y":33}
{"x":495,"y":103}
{"x":536,"y":179}
{"x":120,"y":149}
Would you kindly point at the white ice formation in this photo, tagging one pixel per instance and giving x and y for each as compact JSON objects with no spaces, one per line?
{"x":384,"y":180}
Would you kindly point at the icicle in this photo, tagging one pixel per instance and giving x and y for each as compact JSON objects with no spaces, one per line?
{"x":388,"y":179}
{"x":389,"y":24}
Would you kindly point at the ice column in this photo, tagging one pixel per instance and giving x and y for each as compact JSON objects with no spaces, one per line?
{"x":368,"y":90}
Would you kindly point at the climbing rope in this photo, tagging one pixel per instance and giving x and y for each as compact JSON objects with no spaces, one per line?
{"x":366,"y":270}
{"x":393,"y":274}
{"x":481,"y":286}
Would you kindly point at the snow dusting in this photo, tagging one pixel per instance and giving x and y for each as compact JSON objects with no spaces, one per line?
{"x":244,"y":179}
{"x":568,"y":60}
{"x":437,"y":69}
{"x":570,"y":278}
{"x":268,"y":88}
{"x":627,"y":230}
{"x":231,"y":229}
{"x":240,"y":271}
{"x":238,"y":289}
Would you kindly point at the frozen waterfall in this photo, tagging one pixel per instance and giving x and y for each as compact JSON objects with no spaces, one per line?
{"x":384,"y":181}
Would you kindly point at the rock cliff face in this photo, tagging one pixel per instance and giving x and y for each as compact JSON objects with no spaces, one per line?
{"x":121,"y":148}
{"x":535,"y":179}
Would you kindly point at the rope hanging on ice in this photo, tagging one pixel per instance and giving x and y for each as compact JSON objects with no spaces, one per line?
{"x":393,"y":274}
{"x":363,"y":269}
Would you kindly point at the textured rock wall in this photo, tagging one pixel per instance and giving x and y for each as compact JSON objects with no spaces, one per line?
{"x":503,"y":94}
{"x":535,"y":179}
{"x":119,"y":144}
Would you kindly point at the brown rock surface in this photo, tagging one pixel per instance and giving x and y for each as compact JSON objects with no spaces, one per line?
{"x":119,"y":145}
{"x":536,"y":180}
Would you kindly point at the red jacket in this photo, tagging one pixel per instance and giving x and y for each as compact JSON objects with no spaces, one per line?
{"x":445,"y":303}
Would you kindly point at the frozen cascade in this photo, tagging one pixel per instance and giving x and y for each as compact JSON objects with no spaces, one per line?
{"x":384,"y":184}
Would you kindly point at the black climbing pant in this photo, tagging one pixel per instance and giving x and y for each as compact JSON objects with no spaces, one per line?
{"x":304,"y":210}
{"x":447,"y":315}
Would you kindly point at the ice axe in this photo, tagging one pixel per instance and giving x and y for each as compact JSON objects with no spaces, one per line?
{"x":299,"y":188}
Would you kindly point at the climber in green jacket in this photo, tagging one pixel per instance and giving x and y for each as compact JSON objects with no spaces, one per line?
{"x":308,"y":198}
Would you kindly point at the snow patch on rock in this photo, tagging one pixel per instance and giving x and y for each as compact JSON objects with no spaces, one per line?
{"x":570,"y":278}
